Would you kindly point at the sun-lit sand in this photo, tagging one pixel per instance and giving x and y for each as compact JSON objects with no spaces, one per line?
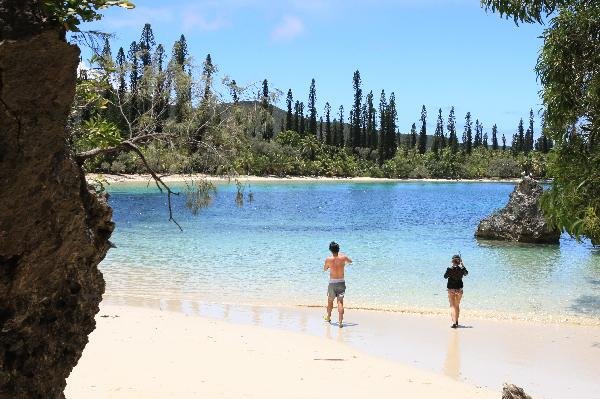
{"x":146,"y":178}
{"x":149,"y":353}
{"x":159,"y":349}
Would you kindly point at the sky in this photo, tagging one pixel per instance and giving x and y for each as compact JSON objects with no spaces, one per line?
{"x":437,"y":53}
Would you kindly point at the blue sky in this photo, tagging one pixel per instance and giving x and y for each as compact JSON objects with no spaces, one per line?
{"x":434,"y":52}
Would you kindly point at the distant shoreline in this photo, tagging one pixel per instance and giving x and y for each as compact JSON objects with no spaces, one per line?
{"x":144,"y":178}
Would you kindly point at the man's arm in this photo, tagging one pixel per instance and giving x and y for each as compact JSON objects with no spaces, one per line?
{"x":325,"y":266}
{"x":348,"y":260}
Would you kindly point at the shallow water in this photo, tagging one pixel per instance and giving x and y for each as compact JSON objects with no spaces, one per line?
{"x":400,"y":235}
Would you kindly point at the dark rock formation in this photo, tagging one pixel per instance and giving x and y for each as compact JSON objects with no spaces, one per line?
{"x":510,"y":391}
{"x":521,"y":220}
{"x":53,"y":230}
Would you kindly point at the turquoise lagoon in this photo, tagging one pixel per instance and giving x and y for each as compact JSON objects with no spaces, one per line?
{"x":400,"y":235}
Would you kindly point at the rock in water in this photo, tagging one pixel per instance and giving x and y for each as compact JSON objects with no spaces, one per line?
{"x":510,"y":391}
{"x":53,"y":230}
{"x":521,"y":220}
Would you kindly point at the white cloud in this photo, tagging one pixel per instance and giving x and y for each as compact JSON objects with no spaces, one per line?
{"x":194,"y":20}
{"x":289,"y":28}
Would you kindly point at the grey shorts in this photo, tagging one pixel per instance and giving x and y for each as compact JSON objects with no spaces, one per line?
{"x":336,"y":290}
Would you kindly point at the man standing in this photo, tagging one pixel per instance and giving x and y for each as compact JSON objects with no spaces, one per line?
{"x":337,"y":286}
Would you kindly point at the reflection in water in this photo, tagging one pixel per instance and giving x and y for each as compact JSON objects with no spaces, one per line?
{"x":452,"y":362}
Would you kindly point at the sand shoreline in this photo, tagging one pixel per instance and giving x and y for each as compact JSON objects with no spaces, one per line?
{"x":148,"y":353}
{"x":473,"y":361}
{"x":145,"y":178}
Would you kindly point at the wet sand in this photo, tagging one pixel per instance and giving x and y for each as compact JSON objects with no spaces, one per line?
{"x":548,"y":360}
{"x":149,"y":353}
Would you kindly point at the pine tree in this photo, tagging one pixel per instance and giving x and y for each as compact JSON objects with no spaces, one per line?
{"x":264,"y":99}
{"x":520,"y":138}
{"x":145,"y":45}
{"x":207,"y":76}
{"x":371,"y":127}
{"x":183,"y":95}
{"x":390,"y":134}
{"x":161,"y":94}
{"x":134,"y":79}
{"x":297,"y":116}
{"x":180,"y":52}
{"x":485,"y":141}
{"x":438,"y":137}
{"x":289,"y":117}
{"x":423,"y":132}
{"x":356,"y":108}
{"x":363,"y":125}
{"x":328,"y":136}
{"x":321,"y":137}
{"x":468,"y":134}
{"x":381,"y":150}
{"x":477,"y":141}
{"x":122,"y":87}
{"x":312,"y":109}
{"x":159,"y":58}
{"x":106,"y":55}
{"x":503,"y":143}
{"x":340,"y":142}
{"x":452,"y":137}
{"x":234,"y":92}
{"x":302,"y":119}
{"x":494,"y":137}
{"x":335,"y":133}
{"x":528,"y":144}
{"x":413,"y":136}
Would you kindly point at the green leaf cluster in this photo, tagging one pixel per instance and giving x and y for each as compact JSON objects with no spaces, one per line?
{"x":70,"y":13}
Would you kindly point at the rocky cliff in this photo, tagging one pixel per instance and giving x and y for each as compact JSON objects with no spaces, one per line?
{"x":53,"y":230}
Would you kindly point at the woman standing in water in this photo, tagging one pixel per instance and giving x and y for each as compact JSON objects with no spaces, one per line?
{"x":454,"y":274}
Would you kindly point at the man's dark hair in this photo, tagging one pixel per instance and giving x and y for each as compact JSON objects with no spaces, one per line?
{"x":334,"y":247}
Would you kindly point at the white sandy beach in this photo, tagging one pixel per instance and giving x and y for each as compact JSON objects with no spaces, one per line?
{"x":232,"y":351}
{"x":148,"y":353}
{"x":146,"y":178}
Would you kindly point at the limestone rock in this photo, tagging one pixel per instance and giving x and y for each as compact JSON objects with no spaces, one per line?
{"x":510,"y":391}
{"x":521,"y":220}
{"x":53,"y":230}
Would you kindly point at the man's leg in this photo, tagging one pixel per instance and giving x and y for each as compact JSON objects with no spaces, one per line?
{"x":340,"y":303}
{"x":329,"y":308}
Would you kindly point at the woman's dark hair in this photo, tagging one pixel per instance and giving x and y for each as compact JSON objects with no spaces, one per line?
{"x":334,"y":247}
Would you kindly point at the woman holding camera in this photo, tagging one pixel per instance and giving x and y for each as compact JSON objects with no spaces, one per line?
{"x":454,"y":274}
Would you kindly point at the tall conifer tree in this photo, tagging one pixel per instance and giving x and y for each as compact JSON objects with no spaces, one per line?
{"x":413,"y":136}
{"x":371,"y":127}
{"x":121,"y":68}
{"x":529,"y":135}
{"x":494,"y":137}
{"x":208,"y":71}
{"x":328,"y":136}
{"x":391,"y":115}
{"x":355,"y":132}
{"x":468,"y":134}
{"x":289,"y":116}
{"x":341,"y":140}
{"x":382,"y":128}
{"x":312,"y":109}
{"x":438,"y":137}
{"x":478,"y":134}
{"x":452,"y":136}
{"x":146,"y":45}
{"x":423,"y":132}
